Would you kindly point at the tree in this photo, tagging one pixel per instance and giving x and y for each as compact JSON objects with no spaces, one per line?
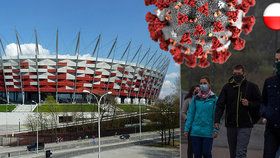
{"x":52,"y":108}
{"x":31,"y":122}
{"x":166,"y":116}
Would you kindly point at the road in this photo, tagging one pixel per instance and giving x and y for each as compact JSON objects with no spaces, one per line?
{"x":137,"y":152}
{"x":81,"y":146}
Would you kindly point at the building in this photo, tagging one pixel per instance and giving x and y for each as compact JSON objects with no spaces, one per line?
{"x":130,"y":77}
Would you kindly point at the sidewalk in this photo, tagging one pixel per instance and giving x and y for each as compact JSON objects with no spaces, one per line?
{"x":220,"y":152}
{"x":220,"y":145}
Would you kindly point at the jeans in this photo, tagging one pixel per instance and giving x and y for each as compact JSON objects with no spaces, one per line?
{"x":202,"y":146}
{"x":238,"y":140}
{"x":271,"y":142}
{"x":190,"y":150}
{"x":278,"y":153}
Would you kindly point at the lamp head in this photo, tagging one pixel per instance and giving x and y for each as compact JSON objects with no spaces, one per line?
{"x":109,"y":92}
{"x":86,"y":91}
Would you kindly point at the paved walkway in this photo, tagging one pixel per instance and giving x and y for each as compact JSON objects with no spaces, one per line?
{"x":220,"y":146}
{"x":219,"y":152}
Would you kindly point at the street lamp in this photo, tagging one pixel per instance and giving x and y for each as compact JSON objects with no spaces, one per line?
{"x":98,"y":104}
{"x":140,"y":120}
{"x":37,"y":136}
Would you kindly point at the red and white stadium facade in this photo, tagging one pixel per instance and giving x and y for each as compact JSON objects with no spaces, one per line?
{"x":66,"y":77}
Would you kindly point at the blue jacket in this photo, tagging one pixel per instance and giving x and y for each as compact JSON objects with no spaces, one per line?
{"x":200,"y":116}
{"x":271,"y":101}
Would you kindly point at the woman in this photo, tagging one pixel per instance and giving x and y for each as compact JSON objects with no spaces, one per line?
{"x":200,"y":120}
{"x":192,"y":92}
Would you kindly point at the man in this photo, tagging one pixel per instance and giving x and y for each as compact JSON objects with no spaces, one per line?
{"x":240,"y":99}
{"x":270,"y":110}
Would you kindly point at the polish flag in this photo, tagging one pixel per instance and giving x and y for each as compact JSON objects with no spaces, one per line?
{"x":271,"y":16}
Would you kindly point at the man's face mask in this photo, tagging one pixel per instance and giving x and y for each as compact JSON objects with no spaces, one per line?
{"x":277,"y":67}
{"x":238,"y":77}
{"x":277,"y":63}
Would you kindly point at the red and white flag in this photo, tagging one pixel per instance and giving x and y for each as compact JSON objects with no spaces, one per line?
{"x":271,"y":16}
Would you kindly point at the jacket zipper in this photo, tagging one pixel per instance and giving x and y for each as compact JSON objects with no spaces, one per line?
{"x":237,"y":108}
{"x":250,"y":117}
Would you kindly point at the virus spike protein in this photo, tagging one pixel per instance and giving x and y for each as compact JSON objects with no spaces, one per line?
{"x":193,"y":30}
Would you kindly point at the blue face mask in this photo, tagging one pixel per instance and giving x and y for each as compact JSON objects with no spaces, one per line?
{"x":204,"y":87}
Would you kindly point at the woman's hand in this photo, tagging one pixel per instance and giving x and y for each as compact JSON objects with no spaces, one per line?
{"x":186,"y":134}
{"x":215,"y":135}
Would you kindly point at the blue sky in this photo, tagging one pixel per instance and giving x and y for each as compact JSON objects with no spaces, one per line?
{"x":111,"y":18}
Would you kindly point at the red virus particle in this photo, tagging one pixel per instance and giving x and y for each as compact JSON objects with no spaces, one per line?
{"x":196,"y":32}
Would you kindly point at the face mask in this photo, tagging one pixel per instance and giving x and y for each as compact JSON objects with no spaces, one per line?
{"x":277,"y":67}
{"x":238,"y":78}
{"x":204,"y":87}
{"x":195,"y":92}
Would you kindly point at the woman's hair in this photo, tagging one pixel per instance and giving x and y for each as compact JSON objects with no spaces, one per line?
{"x":206,"y":78}
{"x":191,"y":90}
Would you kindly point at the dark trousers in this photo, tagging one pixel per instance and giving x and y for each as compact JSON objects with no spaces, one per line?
{"x":238,"y":140}
{"x":271,"y":142}
{"x":190,"y":150}
{"x":202,"y":146}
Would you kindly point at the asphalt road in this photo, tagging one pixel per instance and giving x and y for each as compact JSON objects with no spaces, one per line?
{"x":82,"y":146}
{"x":136,"y":152}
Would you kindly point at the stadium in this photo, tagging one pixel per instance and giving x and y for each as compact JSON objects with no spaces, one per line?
{"x":132,"y":77}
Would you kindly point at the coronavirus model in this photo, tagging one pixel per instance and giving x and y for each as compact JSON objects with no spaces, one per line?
{"x":194,"y":30}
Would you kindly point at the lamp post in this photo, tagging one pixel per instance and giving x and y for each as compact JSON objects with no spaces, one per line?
{"x":140,"y":120}
{"x":98,"y":104}
{"x":37,"y":136}
{"x":19,"y":125}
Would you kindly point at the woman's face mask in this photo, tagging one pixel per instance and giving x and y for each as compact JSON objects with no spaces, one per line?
{"x":204,"y":87}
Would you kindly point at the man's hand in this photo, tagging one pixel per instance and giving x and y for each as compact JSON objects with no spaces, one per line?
{"x":186,"y":134}
{"x":264,"y":120}
{"x":245,"y":102}
{"x":217,"y":125}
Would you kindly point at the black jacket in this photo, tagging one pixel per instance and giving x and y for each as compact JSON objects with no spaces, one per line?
{"x":271,"y":102}
{"x":229,"y":101}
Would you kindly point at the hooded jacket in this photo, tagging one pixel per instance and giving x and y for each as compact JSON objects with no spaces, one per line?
{"x":237,"y":115}
{"x":200,"y":116}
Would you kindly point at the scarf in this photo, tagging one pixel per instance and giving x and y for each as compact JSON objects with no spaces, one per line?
{"x":205,"y":95}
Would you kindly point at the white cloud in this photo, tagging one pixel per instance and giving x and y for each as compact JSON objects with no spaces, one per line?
{"x":167,"y":88}
{"x":172,"y":75}
{"x":177,"y":65}
{"x":27,"y":49}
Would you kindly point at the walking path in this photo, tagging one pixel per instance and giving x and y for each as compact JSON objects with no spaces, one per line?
{"x":220,"y":146}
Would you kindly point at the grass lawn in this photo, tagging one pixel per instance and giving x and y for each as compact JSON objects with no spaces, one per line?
{"x":87,"y":108}
{"x":132,"y":108}
{"x":9,"y":108}
{"x":68,"y":108}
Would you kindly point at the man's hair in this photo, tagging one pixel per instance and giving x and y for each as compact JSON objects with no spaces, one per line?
{"x":278,"y":51}
{"x":239,"y":67}
{"x":206,"y":78}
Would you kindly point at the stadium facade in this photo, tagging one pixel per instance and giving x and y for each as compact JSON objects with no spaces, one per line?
{"x":131,"y":77}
